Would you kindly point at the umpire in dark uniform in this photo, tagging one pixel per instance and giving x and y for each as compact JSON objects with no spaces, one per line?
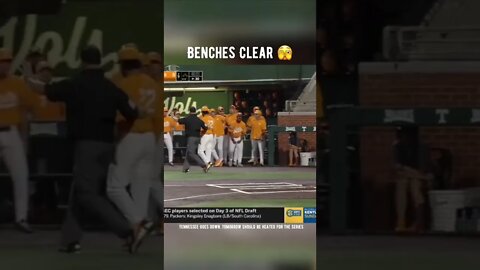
{"x":193,"y":127}
{"x":92,"y":102}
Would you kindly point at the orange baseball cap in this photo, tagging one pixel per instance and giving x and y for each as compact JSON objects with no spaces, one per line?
{"x":129,"y":45}
{"x":205,"y":109}
{"x":257,"y":112}
{"x":129,"y":53}
{"x":5,"y":54}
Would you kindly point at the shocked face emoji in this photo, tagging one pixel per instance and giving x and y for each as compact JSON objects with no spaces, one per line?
{"x":285,"y":53}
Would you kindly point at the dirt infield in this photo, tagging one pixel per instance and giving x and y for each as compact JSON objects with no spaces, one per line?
{"x":273,"y":185}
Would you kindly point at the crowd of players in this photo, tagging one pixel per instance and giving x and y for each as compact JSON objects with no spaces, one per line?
{"x":222,"y":142}
{"x":131,"y":177}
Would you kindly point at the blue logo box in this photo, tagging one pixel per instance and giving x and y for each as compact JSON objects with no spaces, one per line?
{"x":309,"y":215}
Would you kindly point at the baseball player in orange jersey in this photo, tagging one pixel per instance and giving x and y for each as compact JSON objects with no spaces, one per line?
{"x":15,"y":97}
{"x":135,"y":155}
{"x":237,"y":130}
{"x":169,"y":124}
{"x":206,"y":142}
{"x":219,"y":133}
{"x":258,"y":129}
{"x":250,"y":121}
{"x":118,"y":75}
{"x":214,"y":155}
{"x":229,"y":119}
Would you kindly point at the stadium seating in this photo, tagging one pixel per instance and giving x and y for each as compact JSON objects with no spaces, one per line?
{"x":454,"y":13}
{"x":449,"y":31}
{"x":307,"y":100}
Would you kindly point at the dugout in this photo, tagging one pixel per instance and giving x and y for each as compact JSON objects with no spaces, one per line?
{"x":269,"y":94}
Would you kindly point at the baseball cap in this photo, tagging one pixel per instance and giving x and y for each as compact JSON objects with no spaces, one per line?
{"x":5,"y":54}
{"x":256,"y":108}
{"x":257,"y":112}
{"x":193,"y":109}
{"x":154,"y":57}
{"x":212,"y":110}
{"x":165,"y":109}
{"x":205,"y":109}
{"x":129,"y":53}
{"x":220,"y":108}
{"x":91,"y":55}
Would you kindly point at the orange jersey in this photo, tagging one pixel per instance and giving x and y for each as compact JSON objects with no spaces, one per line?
{"x":258,"y":128}
{"x":169,"y":124}
{"x":145,"y":93}
{"x":209,"y":122}
{"x":15,"y":97}
{"x":230,"y":119}
{"x":219,"y":127}
{"x":252,"y":118}
{"x":237,"y":130}
{"x":45,"y":110}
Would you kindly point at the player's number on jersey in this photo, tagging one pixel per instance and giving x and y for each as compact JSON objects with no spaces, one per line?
{"x":210,"y":124}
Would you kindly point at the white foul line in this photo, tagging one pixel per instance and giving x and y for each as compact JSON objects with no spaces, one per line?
{"x":271,"y":192}
{"x":198,"y":196}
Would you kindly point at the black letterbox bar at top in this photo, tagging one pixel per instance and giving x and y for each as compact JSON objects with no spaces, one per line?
{"x":224,"y":215}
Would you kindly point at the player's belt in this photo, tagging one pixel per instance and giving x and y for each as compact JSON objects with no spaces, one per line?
{"x":4,"y":129}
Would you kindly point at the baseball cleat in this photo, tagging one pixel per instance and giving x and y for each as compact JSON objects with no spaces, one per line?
{"x":171,"y":164}
{"x":23,"y":226}
{"x":72,"y":248}
{"x":250,"y":160}
{"x":218,"y":163}
{"x":186,"y":170}
{"x":144,"y":229}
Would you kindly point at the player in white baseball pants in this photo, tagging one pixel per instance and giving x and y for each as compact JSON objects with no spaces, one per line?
{"x":237,"y":130}
{"x":227,"y":138}
{"x":167,"y":139}
{"x":207,"y":141}
{"x":135,"y":156}
{"x":15,"y":97}
{"x":236,"y":146}
{"x":12,"y":152}
{"x":168,"y":125}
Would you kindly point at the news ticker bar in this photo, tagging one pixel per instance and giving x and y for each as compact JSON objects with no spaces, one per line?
{"x":287,"y":215}
{"x":183,"y":76}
